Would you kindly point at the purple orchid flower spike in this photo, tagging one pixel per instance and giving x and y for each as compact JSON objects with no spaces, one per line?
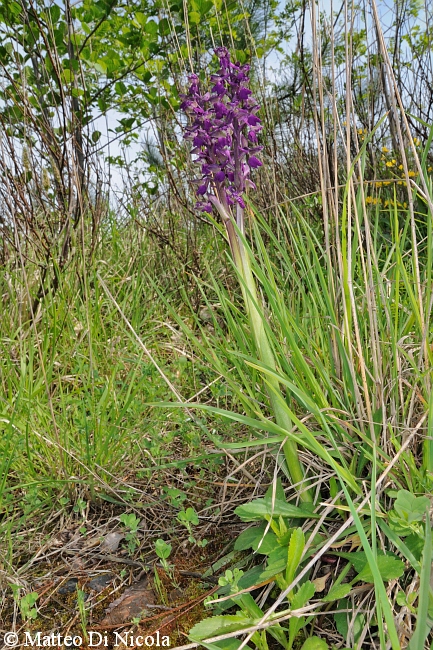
{"x":224,"y":129}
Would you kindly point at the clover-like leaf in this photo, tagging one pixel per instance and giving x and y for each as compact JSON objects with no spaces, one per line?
{"x":409,"y":507}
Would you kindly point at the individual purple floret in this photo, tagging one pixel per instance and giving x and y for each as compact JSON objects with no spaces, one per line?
{"x":223,"y":130}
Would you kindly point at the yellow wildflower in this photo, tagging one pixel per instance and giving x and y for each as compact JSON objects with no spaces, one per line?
{"x":389,"y":163}
{"x":400,"y":167}
{"x":378,"y":183}
{"x":416,"y":142}
{"x":372,"y":200}
{"x":430,"y":169}
{"x":411,"y":173}
{"x":385,"y":150}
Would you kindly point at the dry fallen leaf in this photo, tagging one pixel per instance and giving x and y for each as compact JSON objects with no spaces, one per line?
{"x":111,"y":542}
{"x":320,"y":583}
{"x":132,"y":603}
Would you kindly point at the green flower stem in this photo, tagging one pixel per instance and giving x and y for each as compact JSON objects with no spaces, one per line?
{"x":266,"y":355}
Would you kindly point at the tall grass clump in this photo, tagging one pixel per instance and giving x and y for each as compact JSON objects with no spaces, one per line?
{"x":74,"y":417}
{"x":338,"y":330}
{"x":351,"y":356}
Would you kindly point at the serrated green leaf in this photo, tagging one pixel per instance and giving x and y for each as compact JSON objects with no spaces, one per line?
{"x":277,"y":563}
{"x":216,"y":625}
{"x":359,"y":558}
{"x":337,"y":592}
{"x":389,"y":567}
{"x":303,"y":595}
{"x":294,"y":554}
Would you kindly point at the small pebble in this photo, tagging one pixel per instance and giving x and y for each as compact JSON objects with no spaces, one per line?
{"x":69,"y":586}
{"x":101,"y":582}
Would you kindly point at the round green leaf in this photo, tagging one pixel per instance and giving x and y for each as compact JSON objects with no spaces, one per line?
{"x":315,"y":643}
